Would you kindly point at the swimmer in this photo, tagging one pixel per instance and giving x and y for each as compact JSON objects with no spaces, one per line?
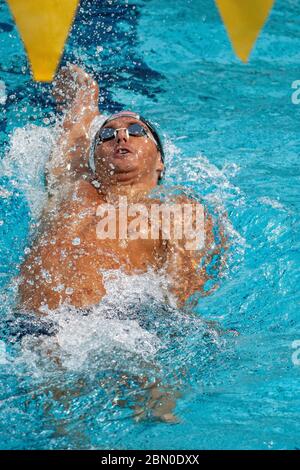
{"x":125,"y":158}
{"x":122,"y":157}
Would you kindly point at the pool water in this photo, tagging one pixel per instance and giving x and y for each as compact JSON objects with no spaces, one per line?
{"x":231,"y":136}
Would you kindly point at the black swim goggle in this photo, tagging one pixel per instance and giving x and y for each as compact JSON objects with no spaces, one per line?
{"x":133,"y":130}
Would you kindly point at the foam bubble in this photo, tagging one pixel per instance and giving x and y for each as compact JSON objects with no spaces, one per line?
{"x":3,"y":96}
{"x":25,"y":162}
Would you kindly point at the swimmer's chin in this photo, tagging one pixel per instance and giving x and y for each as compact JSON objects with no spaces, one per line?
{"x":124,"y":180}
{"x":114,"y":168}
{"x":121,"y":175}
{"x":124,"y":165}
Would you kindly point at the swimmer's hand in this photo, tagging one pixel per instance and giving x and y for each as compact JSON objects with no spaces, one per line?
{"x":74,"y":89}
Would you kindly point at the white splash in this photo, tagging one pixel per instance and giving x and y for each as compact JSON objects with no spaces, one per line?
{"x":110,"y":334}
{"x":3,"y":96}
{"x":273,"y":203}
{"x":25,"y":162}
{"x":210,"y":184}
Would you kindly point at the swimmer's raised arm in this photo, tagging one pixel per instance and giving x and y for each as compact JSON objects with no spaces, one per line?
{"x":187,"y":269}
{"x":77,"y":93}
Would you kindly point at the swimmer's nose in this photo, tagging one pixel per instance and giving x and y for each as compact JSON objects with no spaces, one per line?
{"x":122,"y":135}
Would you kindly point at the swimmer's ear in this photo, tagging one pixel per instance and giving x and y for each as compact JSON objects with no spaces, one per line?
{"x":159,"y":166}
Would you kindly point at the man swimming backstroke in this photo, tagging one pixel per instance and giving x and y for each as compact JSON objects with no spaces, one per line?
{"x":104,"y":213}
{"x":85,"y":228}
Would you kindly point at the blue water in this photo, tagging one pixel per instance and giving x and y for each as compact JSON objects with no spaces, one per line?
{"x":231,"y":133}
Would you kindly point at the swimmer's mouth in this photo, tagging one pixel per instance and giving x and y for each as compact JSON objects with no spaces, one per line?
{"x":121,"y":151}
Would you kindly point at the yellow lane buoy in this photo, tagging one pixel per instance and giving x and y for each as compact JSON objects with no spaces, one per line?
{"x":44,"y":27}
{"x":244,"y":20}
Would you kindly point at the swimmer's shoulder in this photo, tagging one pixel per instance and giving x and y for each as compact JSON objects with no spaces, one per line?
{"x":175,"y":194}
{"x":182,"y":196}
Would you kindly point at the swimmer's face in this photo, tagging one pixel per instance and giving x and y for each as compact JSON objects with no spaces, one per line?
{"x":127,"y":159}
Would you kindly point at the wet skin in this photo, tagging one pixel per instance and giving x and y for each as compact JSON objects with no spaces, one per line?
{"x":66,"y":259}
{"x":65,"y":263}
